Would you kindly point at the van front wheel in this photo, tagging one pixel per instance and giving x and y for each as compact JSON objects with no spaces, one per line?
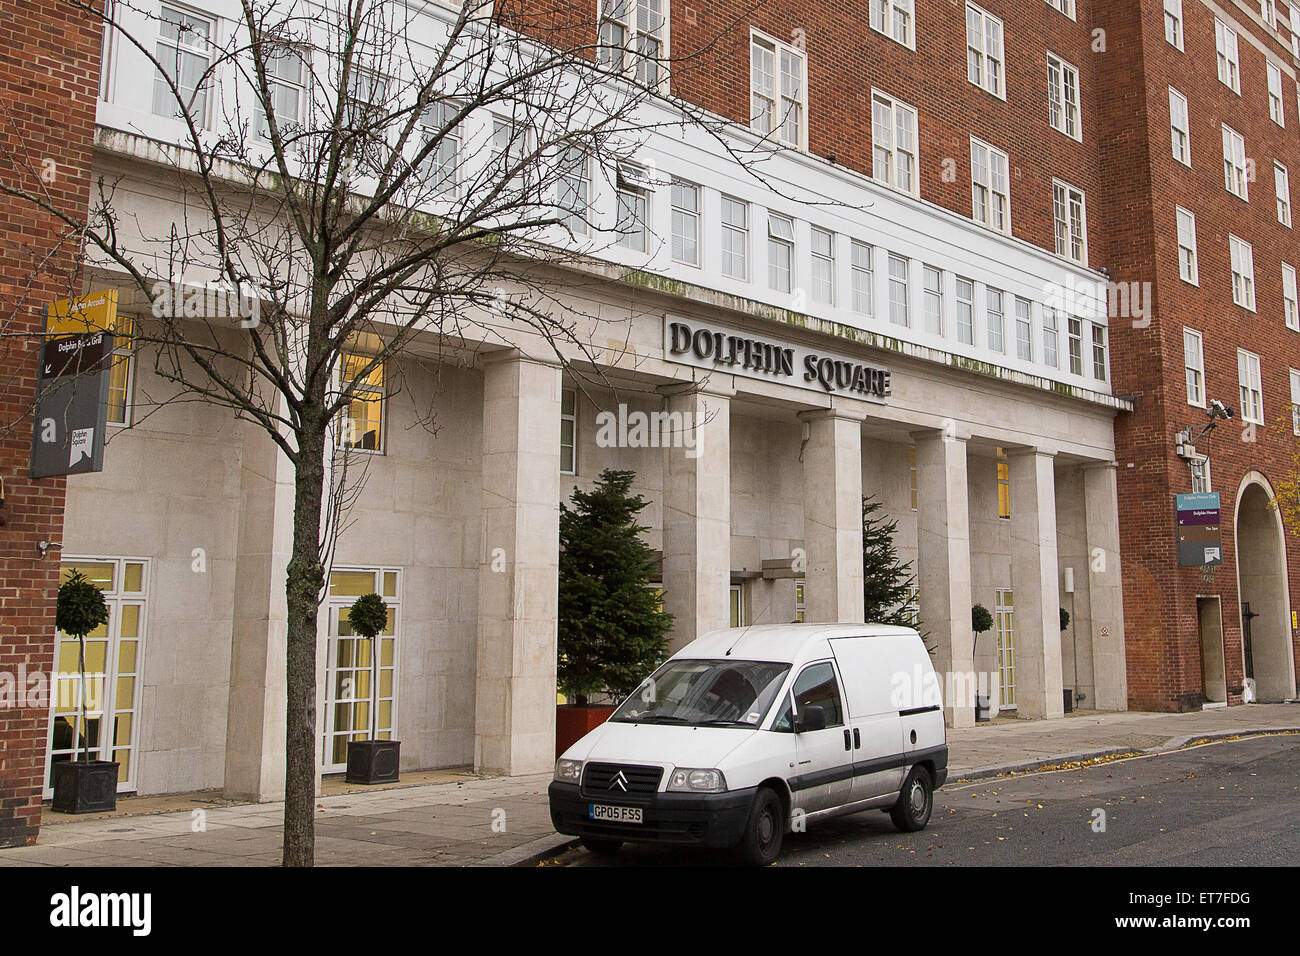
{"x":915,"y":801}
{"x":761,"y":844}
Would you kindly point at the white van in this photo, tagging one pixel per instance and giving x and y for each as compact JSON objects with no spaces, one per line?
{"x":744,"y":732}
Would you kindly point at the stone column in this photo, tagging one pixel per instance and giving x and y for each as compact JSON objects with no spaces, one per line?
{"x":514,"y":729}
{"x":1105,"y":590}
{"x":697,"y":512}
{"x":1034,"y":574}
{"x":943,"y":568}
{"x":832,"y":515}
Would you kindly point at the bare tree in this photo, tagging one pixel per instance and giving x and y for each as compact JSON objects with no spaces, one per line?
{"x":353,"y":175}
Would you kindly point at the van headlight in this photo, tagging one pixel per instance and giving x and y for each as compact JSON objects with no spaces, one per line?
{"x":698,"y":781}
{"x":568,"y":771}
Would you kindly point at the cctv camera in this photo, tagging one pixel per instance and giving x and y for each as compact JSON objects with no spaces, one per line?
{"x":1218,"y":410}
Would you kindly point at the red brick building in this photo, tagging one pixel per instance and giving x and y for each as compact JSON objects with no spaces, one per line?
{"x":1081,"y":127}
{"x":49,"y":74}
{"x":1126,"y":64}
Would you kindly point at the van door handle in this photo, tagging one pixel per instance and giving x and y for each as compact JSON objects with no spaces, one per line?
{"x":847,"y":744}
{"x":857,"y":738}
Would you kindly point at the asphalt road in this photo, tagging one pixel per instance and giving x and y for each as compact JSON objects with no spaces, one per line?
{"x":1231,"y":803}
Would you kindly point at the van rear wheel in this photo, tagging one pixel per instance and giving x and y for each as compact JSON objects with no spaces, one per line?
{"x":915,"y":801}
{"x":761,"y":844}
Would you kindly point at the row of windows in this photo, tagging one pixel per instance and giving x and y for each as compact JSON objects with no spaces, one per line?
{"x":1242,"y":264}
{"x":1250,"y":392}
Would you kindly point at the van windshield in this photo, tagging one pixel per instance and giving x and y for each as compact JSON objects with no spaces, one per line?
{"x":699,"y":693}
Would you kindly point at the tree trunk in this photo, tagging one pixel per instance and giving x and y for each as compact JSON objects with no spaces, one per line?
{"x":303,"y":585}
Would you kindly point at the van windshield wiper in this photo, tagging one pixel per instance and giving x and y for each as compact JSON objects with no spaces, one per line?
{"x":723,"y":723}
{"x":662,"y":718}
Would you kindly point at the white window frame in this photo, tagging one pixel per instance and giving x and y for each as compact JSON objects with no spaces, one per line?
{"x":573,"y":189}
{"x":1024,"y":330}
{"x":1188,"y":267}
{"x":1174,"y":24}
{"x":1070,"y":221}
{"x":897,"y":269}
{"x":779,"y":96}
{"x":1180,"y":133}
{"x":640,"y":46}
{"x":986,"y":65}
{"x":932,"y":299}
{"x":1276,"y":111}
{"x":569,"y":397}
{"x":110,"y":707}
{"x":275,"y":82}
{"x":966,"y":310}
{"x":633,"y":197}
{"x":1290,"y":300}
{"x":886,"y":17}
{"x":1242,"y":256}
{"x":1074,"y":343}
{"x":1194,"y":367}
{"x":334,"y":608}
{"x":780,"y":241}
{"x":988,"y":187}
{"x":995,"y":318}
{"x":734,"y":230}
{"x":892,"y":158}
{"x":685,"y":222}
{"x":821,"y":274}
{"x":862,"y":277}
{"x":1063,"y":6}
{"x":1282,"y":192}
{"x":204,"y":50}
{"x":1051,"y":337}
{"x":1227,"y":56}
{"x":1064,"y":112}
{"x":1100,"y":352}
{"x":1199,"y":466}
{"x":1294,"y":377}
{"x":1234,"y":164}
{"x":1249,"y":386}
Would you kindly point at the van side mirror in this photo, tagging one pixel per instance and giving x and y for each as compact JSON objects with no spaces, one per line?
{"x":811,"y":717}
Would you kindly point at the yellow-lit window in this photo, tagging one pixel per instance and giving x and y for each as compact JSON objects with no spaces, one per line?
{"x":1004,"y":485}
{"x":362,"y":423}
{"x":120,"y":374}
{"x":800,"y":606}
{"x":911,"y":464}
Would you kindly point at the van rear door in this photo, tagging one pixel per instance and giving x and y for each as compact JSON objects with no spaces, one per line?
{"x":870,"y":668}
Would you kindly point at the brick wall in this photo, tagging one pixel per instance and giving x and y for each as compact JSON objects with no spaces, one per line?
{"x":49,"y":73}
{"x":1125,"y":166}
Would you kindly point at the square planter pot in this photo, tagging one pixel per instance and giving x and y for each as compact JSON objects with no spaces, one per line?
{"x":89,"y":787}
{"x":572,"y":723}
{"x":373,"y":761}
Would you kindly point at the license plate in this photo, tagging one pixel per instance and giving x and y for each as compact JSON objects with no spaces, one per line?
{"x":608,"y":814}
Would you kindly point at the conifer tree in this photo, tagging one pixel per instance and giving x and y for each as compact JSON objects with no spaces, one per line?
{"x":612,"y":627}
{"x":886,"y":583}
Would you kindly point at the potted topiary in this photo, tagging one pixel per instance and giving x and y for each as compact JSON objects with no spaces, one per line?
{"x":372,"y":760}
{"x":980,"y":621}
{"x":612,"y":626}
{"x":83,"y":785}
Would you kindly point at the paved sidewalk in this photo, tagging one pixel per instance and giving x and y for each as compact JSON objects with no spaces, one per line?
{"x":504,"y":821}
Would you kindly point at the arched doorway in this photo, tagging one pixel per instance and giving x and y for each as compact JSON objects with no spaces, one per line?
{"x":1263,"y":593}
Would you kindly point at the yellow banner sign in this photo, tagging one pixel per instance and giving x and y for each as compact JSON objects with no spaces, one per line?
{"x":92,"y":312}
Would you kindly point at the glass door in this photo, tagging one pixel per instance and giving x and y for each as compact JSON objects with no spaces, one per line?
{"x":114,"y":656}
{"x":348,"y":666}
{"x":1004,"y":620}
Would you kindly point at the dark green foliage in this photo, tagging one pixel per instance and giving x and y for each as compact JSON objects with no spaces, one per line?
{"x":980,"y":619}
{"x":80,"y":607}
{"x":886,"y":583}
{"x":368,"y":615}
{"x":1065,"y":619}
{"x":612,"y":629}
